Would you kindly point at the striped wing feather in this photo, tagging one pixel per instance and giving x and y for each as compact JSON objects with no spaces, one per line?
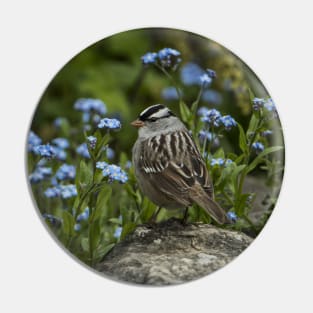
{"x":179,"y":173}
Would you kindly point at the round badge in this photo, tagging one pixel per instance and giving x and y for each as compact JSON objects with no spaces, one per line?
{"x":155,"y":156}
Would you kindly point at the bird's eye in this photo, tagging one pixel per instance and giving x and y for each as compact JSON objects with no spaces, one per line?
{"x":153,"y":119}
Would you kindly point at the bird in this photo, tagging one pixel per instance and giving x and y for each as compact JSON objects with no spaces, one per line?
{"x":168,"y":166}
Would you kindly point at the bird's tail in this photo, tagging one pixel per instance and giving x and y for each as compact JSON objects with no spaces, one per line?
{"x":213,"y":208}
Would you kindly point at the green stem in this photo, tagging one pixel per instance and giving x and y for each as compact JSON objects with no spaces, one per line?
{"x":90,"y":255}
{"x":83,"y":199}
{"x":210,"y":142}
{"x":227,"y":197}
{"x":194,"y":108}
{"x":199,"y":97}
{"x":248,"y":220}
{"x":247,"y":157}
{"x":167,"y":74}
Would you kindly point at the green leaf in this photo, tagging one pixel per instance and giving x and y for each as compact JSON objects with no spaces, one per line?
{"x":239,"y":158}
{"x":184,"y":111}
{"x":85,"y":244}
{"x":115,"y":220}
{"x":103,"y":250}
{"x":127,"y":228}
{"x":240,"y":204}
{"x":68,"y":223}
{"x":237,"y":171}
{"x":102,"y":202}
{"x":103,"y":142}
{"x":235,"y":174}
{"x":85,"y":173}
{"x":219,"y":154}
{"x":243,"y":140}
{"x":123,"y":159}
{"x":94,"y":235}
{"x":260,"y":157}
{"x":224,"y":177}
{"x":148,"y":208}
{"x":251,"y":95}
{"x":252,"y":124}
{"x":194,"y":107}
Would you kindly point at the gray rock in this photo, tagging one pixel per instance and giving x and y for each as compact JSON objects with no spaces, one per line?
{"x":172,"y":253}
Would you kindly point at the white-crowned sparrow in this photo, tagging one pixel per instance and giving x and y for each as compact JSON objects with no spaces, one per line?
{"x":168,"y":166}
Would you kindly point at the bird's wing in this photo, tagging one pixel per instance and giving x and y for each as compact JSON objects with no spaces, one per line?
{"x":175,"y":168}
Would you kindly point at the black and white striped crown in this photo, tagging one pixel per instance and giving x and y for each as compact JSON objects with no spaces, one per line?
{"x":155,"y":112}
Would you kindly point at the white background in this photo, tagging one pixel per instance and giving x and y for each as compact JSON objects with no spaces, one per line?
{"x":274,"y":38}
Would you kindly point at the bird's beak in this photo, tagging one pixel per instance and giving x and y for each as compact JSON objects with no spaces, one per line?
{"x":137,"y":123}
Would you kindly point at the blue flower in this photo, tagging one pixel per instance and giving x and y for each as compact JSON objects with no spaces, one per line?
{"x":40,"y":174}
{"x":101,"y":165}
{"x":45,"y":151}
{"x":218,"y":161}
{"x":61,"y":143}
{"x":213,"y":113}
{"x":77,"y":227}
{"x":212,"y":96}
{"x":206,"y":135}
{"x":211,"y":73}
{"x":52,"y":192}
{"x":86,"y":117}
{"x":115,"y":173}
{"x":68,"y":191}
{"x":45,"y":171}
{"x":149,"y":58}
{"x":258,"y":104}
{"x":54,"y":181}
{"x":60,"y":154}
{"x":269,"y":105}
{"x":83,"y":150}
{"x":232,"y":216}
{"x":128,"y":165}
{"x":169,"y":93}
{"x":110,"y":153}
{"x":212,"y":117}
{"x":33,"y":141}
{"x":190,"y":74}
{"x":205,"y":80}
{"x":63,"y":191}
{"x":169,"y":57}
{"x":118,"y":232}
{"x":203,"y":111}
{"x":87,"y":127}
{"x":96,"y":119}
{"x":258,"y":147}
{"x":167,"y":52}
{"x":66,"y":172}
{"x":88,"y":105}
{"x":92,"y":141}
{"x":58,"y":122}
{"x":228,"y":122}
{"x":110,"y":123}
{"x":55,"y":221}
{"x":266,"y":133}
{"x":84,"y":215}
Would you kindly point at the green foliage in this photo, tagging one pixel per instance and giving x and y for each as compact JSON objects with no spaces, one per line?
{"x":111,"y":71}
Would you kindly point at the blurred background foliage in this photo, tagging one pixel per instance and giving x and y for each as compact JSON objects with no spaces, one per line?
{"x":111,"y":70}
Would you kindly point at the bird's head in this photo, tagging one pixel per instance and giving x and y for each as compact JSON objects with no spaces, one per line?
{"x":156,"y":119}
